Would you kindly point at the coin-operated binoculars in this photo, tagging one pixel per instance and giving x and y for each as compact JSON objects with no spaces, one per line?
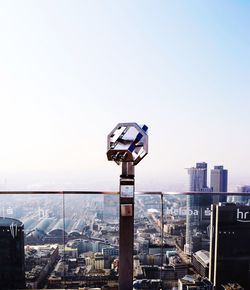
{"x":127,"y":145}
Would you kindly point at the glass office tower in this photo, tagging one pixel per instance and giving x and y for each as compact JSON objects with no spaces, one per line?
{"x":12,"y":273}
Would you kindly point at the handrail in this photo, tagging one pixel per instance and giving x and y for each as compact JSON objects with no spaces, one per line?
{"x":117,"y":192}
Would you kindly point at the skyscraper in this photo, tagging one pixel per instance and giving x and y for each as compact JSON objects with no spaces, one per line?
{"x":196,"y":223}
{"x":229,"y":245}
{"x":218,"y":182}
{"x":12,"y":275}
{"x":198,"y":177}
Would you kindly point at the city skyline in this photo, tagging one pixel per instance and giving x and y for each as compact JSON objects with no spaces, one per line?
{"x":215,"y":172}
{"x":70,"y":72}
{"x":85,"y":236}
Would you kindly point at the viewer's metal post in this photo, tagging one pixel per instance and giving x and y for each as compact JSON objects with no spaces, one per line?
{"x":127,"y":144}
{"x":126,"y":236}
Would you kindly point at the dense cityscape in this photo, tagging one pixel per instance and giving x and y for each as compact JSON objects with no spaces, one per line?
{"x":88,"y":89}
{"x":72,"y":240}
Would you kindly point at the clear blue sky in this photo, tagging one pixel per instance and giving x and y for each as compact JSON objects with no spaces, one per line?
{"x":71,"y":70}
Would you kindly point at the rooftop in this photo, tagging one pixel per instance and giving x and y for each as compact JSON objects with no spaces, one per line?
{"x":7,"y":222}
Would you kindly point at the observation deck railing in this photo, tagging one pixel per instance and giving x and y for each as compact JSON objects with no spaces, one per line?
{"x":70,"y":239}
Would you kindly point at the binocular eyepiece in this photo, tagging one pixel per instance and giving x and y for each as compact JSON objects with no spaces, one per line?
{"x":128,"y":142}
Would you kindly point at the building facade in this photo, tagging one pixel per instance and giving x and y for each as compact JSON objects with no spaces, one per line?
{"x":198,"y":204}
{"x":218,"y":179}
{"x":229,"y":245}
{"x":245,"y":197}
{"x":12,"y":271}
{"x":218,"y":182}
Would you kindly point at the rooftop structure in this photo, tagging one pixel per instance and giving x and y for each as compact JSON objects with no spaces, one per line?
{"x":190,"y":282}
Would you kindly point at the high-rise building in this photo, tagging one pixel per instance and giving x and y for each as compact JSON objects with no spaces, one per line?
{"x":198,"y":177}
{"x":197,"y":205}
{"x":218,"y":182}
{"x":229,"y":245}
{"x":12,"y":272}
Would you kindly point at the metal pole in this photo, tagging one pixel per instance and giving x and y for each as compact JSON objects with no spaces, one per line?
{"x":127,"y":145}
{"x":162,"y":236}
{"x":126,"y":235}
